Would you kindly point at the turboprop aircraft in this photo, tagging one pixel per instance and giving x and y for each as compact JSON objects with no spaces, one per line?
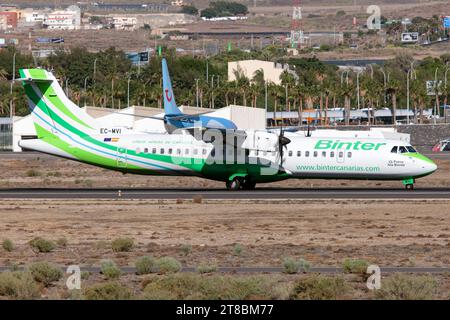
{"x":65,"y":130}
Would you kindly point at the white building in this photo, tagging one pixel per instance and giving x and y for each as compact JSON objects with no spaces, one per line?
{"x":33,"y":16}
{"x":124,"y":23}
{"x":247,"y":68}
{"x":69,"y":19}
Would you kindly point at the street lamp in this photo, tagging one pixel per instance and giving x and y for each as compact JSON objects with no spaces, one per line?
{"x":196,"y":90}
{"x":407,"y":94}
{"x":95,"y":68}
{"x":11,"y":88}
{"x":85,"y":91}
{"x":436,"y":89}
{"x":128,"y":91}
{"x":357,"y":87}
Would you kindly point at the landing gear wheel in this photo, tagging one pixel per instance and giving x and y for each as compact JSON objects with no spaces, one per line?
{"x":234,"y":184}
{"x":248,"y":185}
{"x":409,"y":187}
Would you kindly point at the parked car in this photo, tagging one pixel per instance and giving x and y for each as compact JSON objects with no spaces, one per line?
{"x":441,"y":146}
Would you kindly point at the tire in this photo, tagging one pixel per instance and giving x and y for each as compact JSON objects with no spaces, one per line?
{"x":234,"y":184}
{"x":248,"y":185}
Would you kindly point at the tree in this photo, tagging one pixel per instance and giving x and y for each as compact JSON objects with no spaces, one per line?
{"x":189,"y":9}
{"x":392,"y":89}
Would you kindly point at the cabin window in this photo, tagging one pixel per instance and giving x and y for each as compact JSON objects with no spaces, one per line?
{"x":394,"y":149}
{"x":315,"y":154}
{"x":265,"y":153}
{"x":290,"y":153}
{"x":162,"y":151}
{"x":204,"y":152}
{"x":324,"y":154}
{"x":299,"y":153}
{"x":186,"y":151}
{"x":349,"y":155}
{"x":170,"y":151}
{"x":195,"y":152}
{"x":178,"y":151}
{"x":145,"y":150}
{"x":341,"y":154}
{"x":332,"y":154}
{"x":153,"y":150}
{"x":402,"y":149}
{"x":307,"y":154}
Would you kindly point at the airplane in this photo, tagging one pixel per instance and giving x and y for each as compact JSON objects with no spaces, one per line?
{"x":65,"y":130}
{"x":174,"y":119}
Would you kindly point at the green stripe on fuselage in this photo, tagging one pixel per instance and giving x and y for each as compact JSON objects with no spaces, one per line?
{"x":418,"y":156}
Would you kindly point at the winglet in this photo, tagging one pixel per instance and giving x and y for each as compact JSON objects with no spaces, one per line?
{"x":170,"y":106}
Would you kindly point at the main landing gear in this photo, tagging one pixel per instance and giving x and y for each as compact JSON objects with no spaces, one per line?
{"x":238,"y":183}
{"x":409,"y":184}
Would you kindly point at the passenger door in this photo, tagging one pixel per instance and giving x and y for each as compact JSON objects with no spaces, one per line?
{"x":121,"y":157}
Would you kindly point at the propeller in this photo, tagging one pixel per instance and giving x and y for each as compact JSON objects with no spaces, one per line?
{"x":282,"y":141}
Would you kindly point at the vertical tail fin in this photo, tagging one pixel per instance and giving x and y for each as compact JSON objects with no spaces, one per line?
{"x":170,"y":106}
{"x":51,"y":109}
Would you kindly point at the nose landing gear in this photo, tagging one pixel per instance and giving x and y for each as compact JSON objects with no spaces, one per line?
{"x":409,"y":184}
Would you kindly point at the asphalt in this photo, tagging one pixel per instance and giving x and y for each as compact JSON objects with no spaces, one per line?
{"x":243,"y":270}
{"x":223,"y":194}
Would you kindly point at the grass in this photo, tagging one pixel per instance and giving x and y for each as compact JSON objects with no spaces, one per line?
{"x":8,"y":245}
{"x":108,"y":291}
{"x":186,"y":249}
{"x":145,"y":265}
{"x":292,"y":266}
{"x":62,"y":242}
{"x":110,"y":270}
{"x":33,"y":173}
{"x":406,"y":287}
{"x":42,"y":245}
{"x":211,"y":287}
{"x":45,"y":273}
{"x":206,"y":268}
{"x":18,"y":285}
{"x":168,"y":265}
{"x":238,"y":249}
{"x":319,"y":288}
{"x":355,"y":266}
{"x":122,"y":244}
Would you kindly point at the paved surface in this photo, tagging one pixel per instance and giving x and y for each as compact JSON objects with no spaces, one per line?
{"x":221,"y":194}
{"x":331,"y":270}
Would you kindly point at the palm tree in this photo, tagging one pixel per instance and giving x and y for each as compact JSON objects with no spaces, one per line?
{"x":392,"y":88}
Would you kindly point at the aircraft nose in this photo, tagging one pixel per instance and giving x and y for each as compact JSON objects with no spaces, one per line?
{"x":428,"y":165}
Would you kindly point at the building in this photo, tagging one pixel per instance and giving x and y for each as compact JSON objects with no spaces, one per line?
{"x":69,"y":19}
{"x":11,"y":19}
{"x":154,"y":20}
{"x":124,"y":23}
{"x":3,"y":23}
{"x":247,"y":68}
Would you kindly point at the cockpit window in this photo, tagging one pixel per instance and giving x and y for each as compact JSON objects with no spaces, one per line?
{"x":411,"y":149}
{"x":402,"y":149}
{"x":394,"y":149}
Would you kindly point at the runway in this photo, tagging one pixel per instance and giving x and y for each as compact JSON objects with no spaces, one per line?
{"x":223,"y":194}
